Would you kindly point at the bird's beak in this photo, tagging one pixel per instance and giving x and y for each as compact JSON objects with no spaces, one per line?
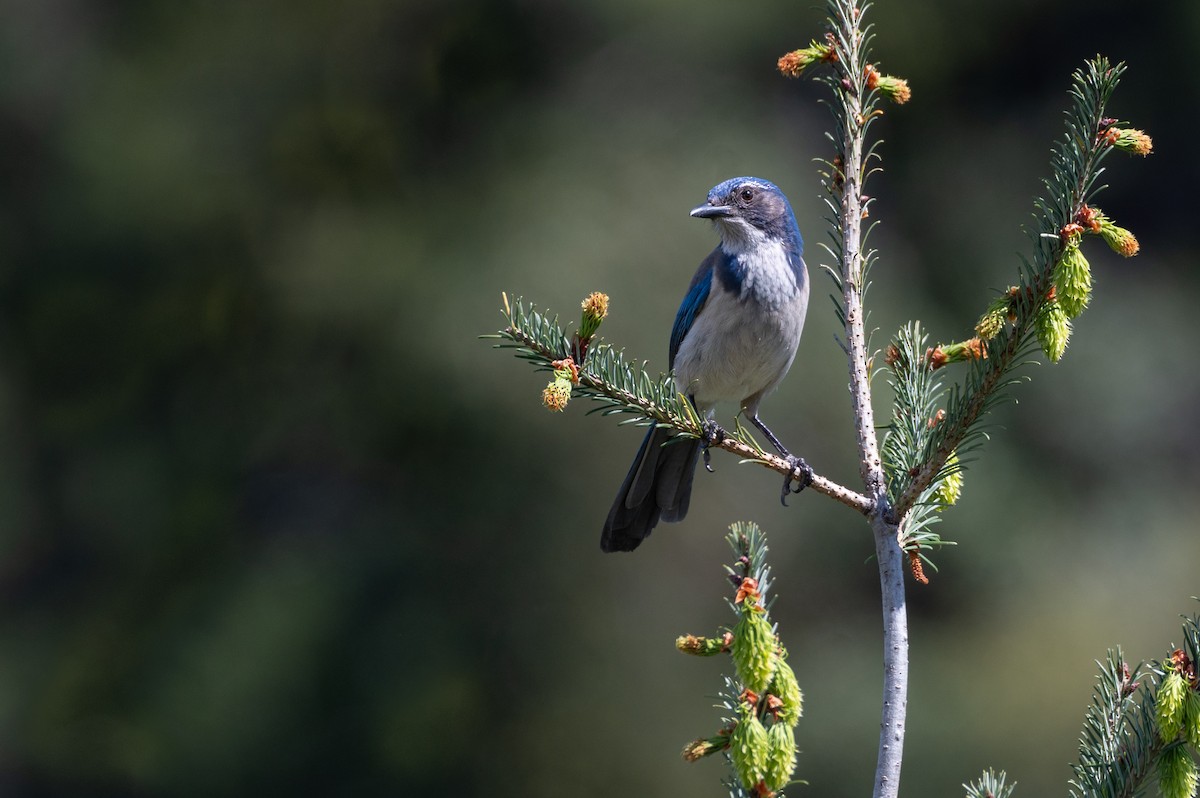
{"x":712,"y":212}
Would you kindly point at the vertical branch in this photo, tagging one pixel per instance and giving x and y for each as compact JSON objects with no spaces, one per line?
{"x":855,"y":114}
{"x":850,"y":216}
{"x":895,"y":656}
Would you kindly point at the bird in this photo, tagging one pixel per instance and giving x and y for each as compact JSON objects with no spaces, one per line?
{"x":734,"y":339}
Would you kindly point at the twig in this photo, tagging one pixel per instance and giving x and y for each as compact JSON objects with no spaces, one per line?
{"x":820,"y":484}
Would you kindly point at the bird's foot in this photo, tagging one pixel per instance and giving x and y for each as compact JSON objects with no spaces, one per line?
{"x":711,"y":434}
{"x":801,"y":473}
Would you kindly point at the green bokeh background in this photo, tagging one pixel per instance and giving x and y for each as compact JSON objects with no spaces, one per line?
{"x":274,"y":521}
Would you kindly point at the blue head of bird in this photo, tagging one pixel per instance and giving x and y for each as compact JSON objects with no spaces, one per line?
{"x":749,"y":212}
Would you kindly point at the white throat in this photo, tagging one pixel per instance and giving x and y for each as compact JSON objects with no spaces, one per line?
{"x":739,"y":236}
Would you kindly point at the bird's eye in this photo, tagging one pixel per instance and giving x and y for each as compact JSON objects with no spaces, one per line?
{"x":747,"y":194}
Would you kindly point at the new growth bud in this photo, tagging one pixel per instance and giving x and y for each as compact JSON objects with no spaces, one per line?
{"x":793,"y":64}
{"x":753,"y":647}
{"x":1169,"y":704}
{"x":701,"y":646}
{"x":944,"y":354}
{"x":763,"y":692}
{"x":1053,"y":330}
{"x":992,"y":321}
{"x":785,"y":687}
{"x":1176,"y":773}
{"x":1191,"y":718}
{"x":895,"y":89}
{"x":781,"y":756}
{"x":1072,"y":279}
{"x":698,"y":749}
{"x":595,"y":308}
{"x":949,"y":490}
{"x":1119,"y":240}
{"x":1129,"y":140}
{"x":748,"y":747}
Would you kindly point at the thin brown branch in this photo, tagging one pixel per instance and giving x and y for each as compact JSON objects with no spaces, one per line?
{"x":820,"y":484}
{"x":661,"y":415}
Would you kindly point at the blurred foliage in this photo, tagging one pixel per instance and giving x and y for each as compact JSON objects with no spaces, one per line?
{"x":273,"y":520}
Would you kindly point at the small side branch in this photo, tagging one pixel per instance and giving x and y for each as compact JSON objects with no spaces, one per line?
{"x":1062,"y":218}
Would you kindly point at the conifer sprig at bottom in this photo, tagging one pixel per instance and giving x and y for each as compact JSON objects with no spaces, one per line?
{"x":762,"y":698}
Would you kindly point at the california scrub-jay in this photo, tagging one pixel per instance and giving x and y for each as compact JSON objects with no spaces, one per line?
{"x":734,"y":338}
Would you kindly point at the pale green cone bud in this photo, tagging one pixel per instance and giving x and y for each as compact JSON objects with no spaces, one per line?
{"x":1176,"y":773}
{"x":753,"y":648}
{"x":748,"y":748}
{"x":1169,"y":704}
{"x":1191,"y":719}
{"x":949,"y":491}
{"x":785,"y":687}
{"x":1053,"y":330}
{"x":1072,"y":280}
{"x":781,"y":756}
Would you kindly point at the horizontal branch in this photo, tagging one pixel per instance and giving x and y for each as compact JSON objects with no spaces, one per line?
{"x":663,"y":416}
{"x":820,"y":484}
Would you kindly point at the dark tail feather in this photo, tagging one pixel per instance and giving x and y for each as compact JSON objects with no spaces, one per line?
{"x":658,"y":485}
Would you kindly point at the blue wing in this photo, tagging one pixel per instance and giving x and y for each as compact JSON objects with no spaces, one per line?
{"x":697,"y":295}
